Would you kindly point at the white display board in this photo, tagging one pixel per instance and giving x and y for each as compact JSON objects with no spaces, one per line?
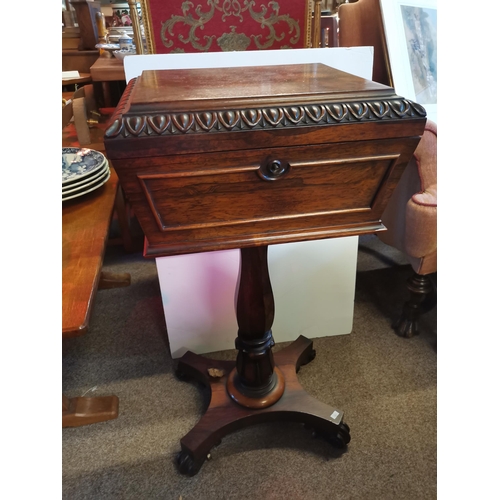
{"x":355,"y":60}
{"x":313,"y":285}
{"x":313,"y":282}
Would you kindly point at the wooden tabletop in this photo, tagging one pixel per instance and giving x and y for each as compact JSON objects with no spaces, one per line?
{"x":85,"y":226}
{"x":107,"y":69}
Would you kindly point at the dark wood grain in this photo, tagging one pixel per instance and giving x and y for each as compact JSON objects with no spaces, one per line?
{"x":360,"y":24}
{"x":201,"y":88}
{"x":254,"y":383}
{"x":205,"y":202}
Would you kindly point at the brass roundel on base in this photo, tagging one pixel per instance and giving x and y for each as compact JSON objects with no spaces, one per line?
{"x":252,"y":402}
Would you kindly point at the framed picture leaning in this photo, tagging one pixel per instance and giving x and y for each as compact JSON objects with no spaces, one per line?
{"x":411,"y":35}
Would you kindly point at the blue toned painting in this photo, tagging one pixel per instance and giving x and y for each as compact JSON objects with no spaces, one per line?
{"x":420,"y":26}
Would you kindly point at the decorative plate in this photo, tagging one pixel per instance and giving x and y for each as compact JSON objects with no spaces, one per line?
{"x":93,"y":188}
{"x":121,"y":54}
{"x":79,"y":162}
{"x":78,"y":182}
{"x":90,"y":183}
{"x":108,"y":46}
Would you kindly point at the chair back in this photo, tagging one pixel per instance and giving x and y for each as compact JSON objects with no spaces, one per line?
{"x":175,"y":26}
{"x":360,"y":24}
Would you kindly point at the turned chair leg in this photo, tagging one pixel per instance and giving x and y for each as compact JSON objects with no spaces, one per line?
{"x":407,"y":325}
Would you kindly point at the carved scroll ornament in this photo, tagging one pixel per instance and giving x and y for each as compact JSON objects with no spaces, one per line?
{"x":228,"y":25}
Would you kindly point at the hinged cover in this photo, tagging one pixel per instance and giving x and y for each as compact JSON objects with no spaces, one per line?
{"x":206,"y":103}
{"x":213,"y":159}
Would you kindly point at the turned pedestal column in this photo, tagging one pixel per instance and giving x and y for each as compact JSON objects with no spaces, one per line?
{"x":256,"y":388}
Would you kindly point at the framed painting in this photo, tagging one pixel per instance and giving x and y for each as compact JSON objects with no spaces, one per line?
{"x":175,"y":26}
{"x":411,"y":35}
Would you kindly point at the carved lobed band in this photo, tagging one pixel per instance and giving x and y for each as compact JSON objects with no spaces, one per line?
{"x":255,"y":346}
{"x":263,"y":118}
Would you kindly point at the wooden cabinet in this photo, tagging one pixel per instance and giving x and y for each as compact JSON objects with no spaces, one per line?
{"x":216,"y":159}
{"x":86,"y":11}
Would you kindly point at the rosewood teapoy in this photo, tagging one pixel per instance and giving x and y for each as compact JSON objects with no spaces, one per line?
{"x":216,"y":159}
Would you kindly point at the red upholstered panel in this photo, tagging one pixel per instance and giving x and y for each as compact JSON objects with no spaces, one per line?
{"x":226,"y":25}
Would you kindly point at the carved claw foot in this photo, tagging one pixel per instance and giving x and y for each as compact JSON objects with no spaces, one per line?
{"x":407,"y":325}
{"x":339,"y":437}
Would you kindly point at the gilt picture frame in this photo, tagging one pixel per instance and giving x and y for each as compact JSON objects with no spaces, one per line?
{"x":411,"y":35}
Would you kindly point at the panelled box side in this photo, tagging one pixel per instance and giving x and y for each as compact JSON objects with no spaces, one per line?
{"x":297,"y":153}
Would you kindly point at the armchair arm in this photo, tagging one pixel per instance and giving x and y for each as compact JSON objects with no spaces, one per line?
{"x":426,"y":157}
{"x":411,"y":214}
{"x":421,"y":223}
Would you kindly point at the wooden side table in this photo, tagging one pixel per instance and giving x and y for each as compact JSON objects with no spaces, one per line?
{"x":85,"y":229}
{"x":218,"y":159}
{"x":85,"y":226}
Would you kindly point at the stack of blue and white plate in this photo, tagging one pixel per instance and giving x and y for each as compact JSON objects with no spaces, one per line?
{"x":83,"y":171}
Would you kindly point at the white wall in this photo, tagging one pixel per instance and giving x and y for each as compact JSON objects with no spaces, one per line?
{"x":355,"y":60}
{"x":313,"y":286}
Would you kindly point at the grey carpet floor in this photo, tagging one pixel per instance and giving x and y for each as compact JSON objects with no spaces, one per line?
{"x":386,"y":386}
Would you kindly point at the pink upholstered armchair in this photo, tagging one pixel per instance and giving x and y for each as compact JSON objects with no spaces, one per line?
{"x":411,"y":221}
